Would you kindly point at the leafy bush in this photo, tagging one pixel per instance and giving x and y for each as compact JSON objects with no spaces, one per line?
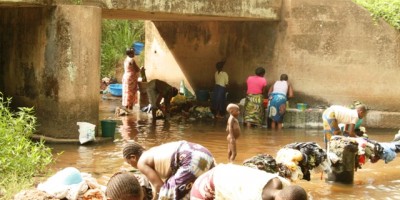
{"x":21,"y":159}
{"x":117,"y":35}
{"x":389,"y":10}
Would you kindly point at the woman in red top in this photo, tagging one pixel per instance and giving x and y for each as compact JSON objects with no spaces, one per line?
{"x":254,"y":108}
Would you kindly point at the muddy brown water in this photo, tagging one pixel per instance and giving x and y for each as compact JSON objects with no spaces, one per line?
{"x":373,"y":181}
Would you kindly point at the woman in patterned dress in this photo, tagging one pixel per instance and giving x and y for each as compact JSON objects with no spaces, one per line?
{"x":129,"y":80}
{"x":171,"y":168}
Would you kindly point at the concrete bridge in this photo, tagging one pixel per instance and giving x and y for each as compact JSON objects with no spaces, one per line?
{"x":333,"y":52}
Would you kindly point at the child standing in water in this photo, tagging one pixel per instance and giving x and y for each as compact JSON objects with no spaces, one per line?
{"x":233,"y":130}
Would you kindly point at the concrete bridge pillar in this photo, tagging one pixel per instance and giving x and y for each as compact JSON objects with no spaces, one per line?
{"x":72,"y":71}
{"x":51,"y":61}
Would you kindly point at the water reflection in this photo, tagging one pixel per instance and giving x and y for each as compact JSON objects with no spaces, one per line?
{"x":128,"y":129}
{"x":373,"y":181}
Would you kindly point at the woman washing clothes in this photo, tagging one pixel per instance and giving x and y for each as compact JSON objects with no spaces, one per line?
{"x":254,"y":108}
{"x":171,"y":168}
{"x":156,"y":91}
{"x":278,"y":95}
{"x":236,"y":182}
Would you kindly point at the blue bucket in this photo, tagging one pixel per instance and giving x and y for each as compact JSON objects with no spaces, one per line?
{"x":138,"y":46}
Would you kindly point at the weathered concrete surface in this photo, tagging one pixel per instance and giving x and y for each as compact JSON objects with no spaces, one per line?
{"x":50,"y":60}
{"x":309,"y":119}
{"x":312,"y":119}
{"x":334,"y":53}
{"x":189,"y":51}
{"x":25,"y":3}
{"x":181,"y":10}
{"x":173,"y":10}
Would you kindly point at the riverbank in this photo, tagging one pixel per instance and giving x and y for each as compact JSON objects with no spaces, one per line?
{"x":69,"y":141}
{"x":311,"y":119}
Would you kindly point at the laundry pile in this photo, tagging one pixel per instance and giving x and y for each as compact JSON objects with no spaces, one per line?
{"x":294,"y":161}
{"x":364,"y":148}
{"x":291,"y":158}
{"x":268,"y":163}
{"x":201,"y":112}
{"x":313,"y":156}
{"x":68,"y":183}
{"x":263,"y":162}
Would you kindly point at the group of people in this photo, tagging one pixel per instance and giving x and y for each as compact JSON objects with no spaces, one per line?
{"x":278,"y":95}
{"x":185,"y":170}
{"x":157,"y":90}
{"x":254,"y":112}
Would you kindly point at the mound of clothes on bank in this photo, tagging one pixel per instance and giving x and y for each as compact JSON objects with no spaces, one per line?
{"x":364,"y":148}
{"x":294,"y":161}
{"x":68,"y":183}
{"x":297,"y":160}
{"x":181,"y":106}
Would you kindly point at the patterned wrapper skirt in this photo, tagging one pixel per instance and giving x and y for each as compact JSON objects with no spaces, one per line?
{"x":129,"y":89}
{"x":254,"y":109}
{"x":189,"y":162}
{"x":277,"y":107}
{"x":330,"y":124}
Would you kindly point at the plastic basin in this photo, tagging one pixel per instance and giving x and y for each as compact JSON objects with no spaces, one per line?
{"x":116,"y":89}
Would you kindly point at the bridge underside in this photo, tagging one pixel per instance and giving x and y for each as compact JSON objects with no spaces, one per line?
{"x":50,"y":52}
{"x":139,"y":15}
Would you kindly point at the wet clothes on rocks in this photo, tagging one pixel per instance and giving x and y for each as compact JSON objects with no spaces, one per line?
{"x":313,"y":155}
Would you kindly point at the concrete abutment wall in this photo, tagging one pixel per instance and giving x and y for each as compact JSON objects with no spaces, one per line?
{"x":188,"y":51}
{"x":50,"y":60}
{"x":334,"y":53}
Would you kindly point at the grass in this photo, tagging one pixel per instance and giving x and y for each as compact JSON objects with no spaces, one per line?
{"x":117,"y":35}
{"x":388,"y":10}
{"x":21,"y":159}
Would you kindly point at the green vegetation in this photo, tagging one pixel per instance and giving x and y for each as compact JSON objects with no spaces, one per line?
{"x":77,"y":2}
{"x":117,"y":35}
{"x":389,"y":10}
{"x":21,"y":159}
